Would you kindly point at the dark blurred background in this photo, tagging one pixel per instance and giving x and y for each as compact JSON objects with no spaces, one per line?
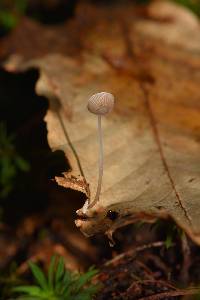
{"x":54,"y":11}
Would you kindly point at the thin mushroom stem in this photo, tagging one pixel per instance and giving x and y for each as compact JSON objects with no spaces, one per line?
{"x":99,"y":104}
{"x":96,"y":198}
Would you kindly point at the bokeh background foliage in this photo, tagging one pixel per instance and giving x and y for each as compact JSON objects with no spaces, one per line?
{"x":12,"y":10}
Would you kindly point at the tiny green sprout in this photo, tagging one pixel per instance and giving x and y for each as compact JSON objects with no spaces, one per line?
{"x":169,"y":241}
{"x":59,"y":283}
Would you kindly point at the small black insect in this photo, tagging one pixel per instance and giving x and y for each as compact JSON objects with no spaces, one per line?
{"x":112,"y":215}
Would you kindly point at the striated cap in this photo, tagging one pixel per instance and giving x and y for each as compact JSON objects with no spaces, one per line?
{"x":101,"y":103}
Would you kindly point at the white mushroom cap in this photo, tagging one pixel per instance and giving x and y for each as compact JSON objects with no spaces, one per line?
{"x":101,"y":103}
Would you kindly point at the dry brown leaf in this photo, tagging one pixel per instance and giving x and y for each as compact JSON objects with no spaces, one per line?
{"x":77,"y":183}
{"x":152,"y":139}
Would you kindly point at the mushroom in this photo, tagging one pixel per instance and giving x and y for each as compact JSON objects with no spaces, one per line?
{"x":100,"y":104}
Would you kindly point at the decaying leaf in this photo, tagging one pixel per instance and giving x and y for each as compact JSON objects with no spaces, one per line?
{"x":77,"y":183}
{"x":152,"y":139}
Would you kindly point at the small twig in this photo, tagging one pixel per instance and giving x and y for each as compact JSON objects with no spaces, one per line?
{"x":184,"y":276}
{"x":134,"y":251}
{"x":176,"y":293}
{"x":148,"y":272}
{"x":158,"y":283}
{"x":158,"y":263}
{"x":148,"y":281}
